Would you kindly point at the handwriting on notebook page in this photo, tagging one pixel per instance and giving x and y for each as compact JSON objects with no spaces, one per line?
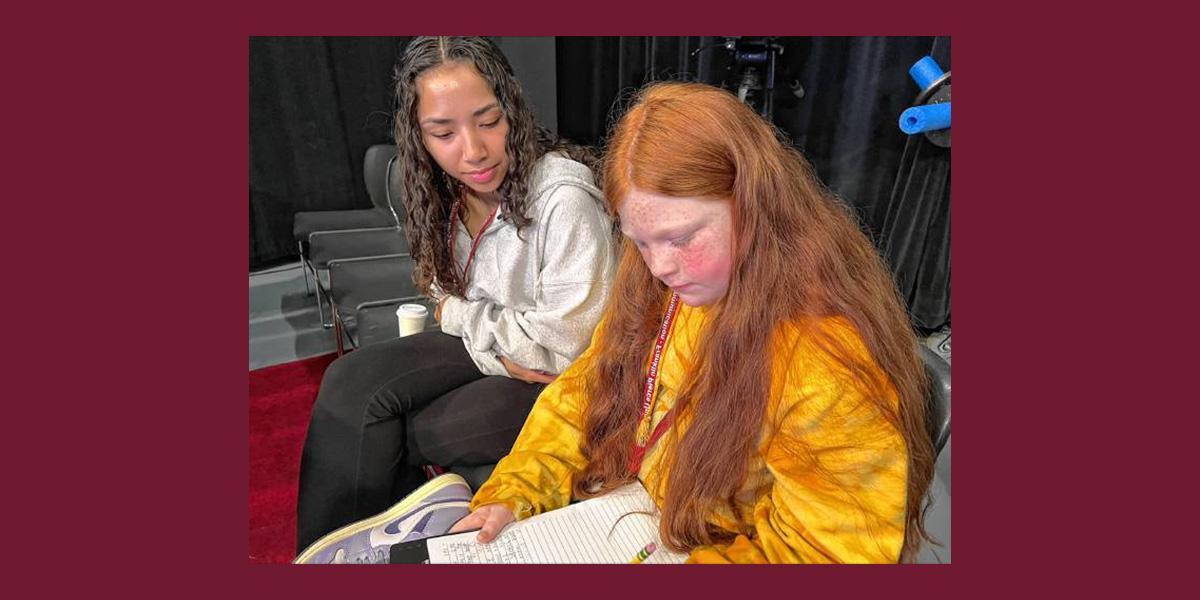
{"x":609,"y":529}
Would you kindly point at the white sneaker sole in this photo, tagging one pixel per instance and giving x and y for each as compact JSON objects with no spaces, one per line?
{"x":408,"y":503}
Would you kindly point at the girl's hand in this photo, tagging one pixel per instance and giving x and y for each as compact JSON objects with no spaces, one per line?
{"x":527,"y":375}
{"x":489,"y":519}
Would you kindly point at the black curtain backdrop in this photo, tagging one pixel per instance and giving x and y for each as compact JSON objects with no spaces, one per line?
{"x":846,"y":124}
{"x":915,"y":223}
{"x":316,"y":105}
{"x":597,"y":75}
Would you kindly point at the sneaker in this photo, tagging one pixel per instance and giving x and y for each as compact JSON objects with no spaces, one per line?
{"x":430,"y":510}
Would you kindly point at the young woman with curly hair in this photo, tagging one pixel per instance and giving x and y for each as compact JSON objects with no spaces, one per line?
{"x":509,"y":234}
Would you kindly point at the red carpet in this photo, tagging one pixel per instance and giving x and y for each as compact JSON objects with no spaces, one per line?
{"x":281,"y":399}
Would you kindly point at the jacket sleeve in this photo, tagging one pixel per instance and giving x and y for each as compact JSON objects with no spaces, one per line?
{"x":576,"y":272}
{"x":839,"y":472}
{"x":538,"y":472}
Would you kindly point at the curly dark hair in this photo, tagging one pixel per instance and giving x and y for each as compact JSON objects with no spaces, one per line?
{"x":430,"y":192}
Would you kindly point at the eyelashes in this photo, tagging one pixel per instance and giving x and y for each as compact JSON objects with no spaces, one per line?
{"x":446,"y":135}
{"x":675,"y":243}
{"x":683,"y":241}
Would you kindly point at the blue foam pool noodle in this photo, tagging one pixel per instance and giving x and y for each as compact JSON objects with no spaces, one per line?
{"x":925,"y":72}
{"x":929,"y":117}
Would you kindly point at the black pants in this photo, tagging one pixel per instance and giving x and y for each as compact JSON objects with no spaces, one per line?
{"x":384,"y":410}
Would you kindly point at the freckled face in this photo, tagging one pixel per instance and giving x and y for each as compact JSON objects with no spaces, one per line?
{"x":687,"y":243}
{"x":463,"y":126}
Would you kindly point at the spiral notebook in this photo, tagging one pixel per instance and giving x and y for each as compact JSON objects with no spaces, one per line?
{"x":613,"y":528}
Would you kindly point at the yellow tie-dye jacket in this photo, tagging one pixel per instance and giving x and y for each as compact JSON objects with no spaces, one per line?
{"x":851,"y":510}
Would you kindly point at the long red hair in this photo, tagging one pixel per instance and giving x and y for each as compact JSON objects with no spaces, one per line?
{"x":799,"y":256}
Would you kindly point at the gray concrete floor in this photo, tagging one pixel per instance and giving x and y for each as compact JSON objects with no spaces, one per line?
{"x":285,"y":326}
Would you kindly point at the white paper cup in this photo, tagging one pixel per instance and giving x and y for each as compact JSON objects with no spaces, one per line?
{"x":411,"y":318}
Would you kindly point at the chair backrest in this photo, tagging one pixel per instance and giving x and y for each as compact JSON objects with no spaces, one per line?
{"x":938,"y":417}
{"x":381,"y":178}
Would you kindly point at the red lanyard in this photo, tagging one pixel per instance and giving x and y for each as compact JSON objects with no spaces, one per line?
{"x":475,"y":243}
{"x":640,"y":446}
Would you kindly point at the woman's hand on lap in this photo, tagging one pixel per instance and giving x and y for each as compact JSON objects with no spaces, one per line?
{"x":437,"y":312}
{"x":527,"y":375}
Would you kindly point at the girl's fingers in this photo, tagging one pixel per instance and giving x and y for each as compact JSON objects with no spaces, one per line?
{"x":496,"y":520}
{"x":489,"y":530}
{"x":467,"y":523}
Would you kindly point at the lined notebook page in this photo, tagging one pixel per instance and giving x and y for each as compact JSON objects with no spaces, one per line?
{"x":608,"y":529}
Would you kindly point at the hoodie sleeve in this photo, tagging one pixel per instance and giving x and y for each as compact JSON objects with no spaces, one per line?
{"x":576,"y":261}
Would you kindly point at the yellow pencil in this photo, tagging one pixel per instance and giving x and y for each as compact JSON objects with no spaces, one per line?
{"x":643,"y":554}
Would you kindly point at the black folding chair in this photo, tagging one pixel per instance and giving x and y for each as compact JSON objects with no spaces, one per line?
{"x":367,"y":232}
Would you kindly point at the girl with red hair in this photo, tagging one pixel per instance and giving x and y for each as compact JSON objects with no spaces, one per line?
{"x":754,"y":367}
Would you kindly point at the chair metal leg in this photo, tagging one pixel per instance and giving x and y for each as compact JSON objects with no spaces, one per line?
{"x":321,"y":297}
{"x":342,"y":332}
{"x":304,"y":267}
{"x":337,"y":329}
{"x":350,"y":338}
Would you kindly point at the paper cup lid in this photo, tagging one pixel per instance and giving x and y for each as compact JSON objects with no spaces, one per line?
{"x":413,"y":310}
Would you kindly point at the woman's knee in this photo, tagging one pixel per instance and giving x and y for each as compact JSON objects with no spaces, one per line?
{"x":337,"y":375}
{"x":342,"y":390}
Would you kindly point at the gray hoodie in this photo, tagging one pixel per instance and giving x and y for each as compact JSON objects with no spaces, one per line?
{"x":536,"y":299}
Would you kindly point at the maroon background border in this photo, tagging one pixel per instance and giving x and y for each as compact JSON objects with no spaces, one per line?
{"x":155,"y":101}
